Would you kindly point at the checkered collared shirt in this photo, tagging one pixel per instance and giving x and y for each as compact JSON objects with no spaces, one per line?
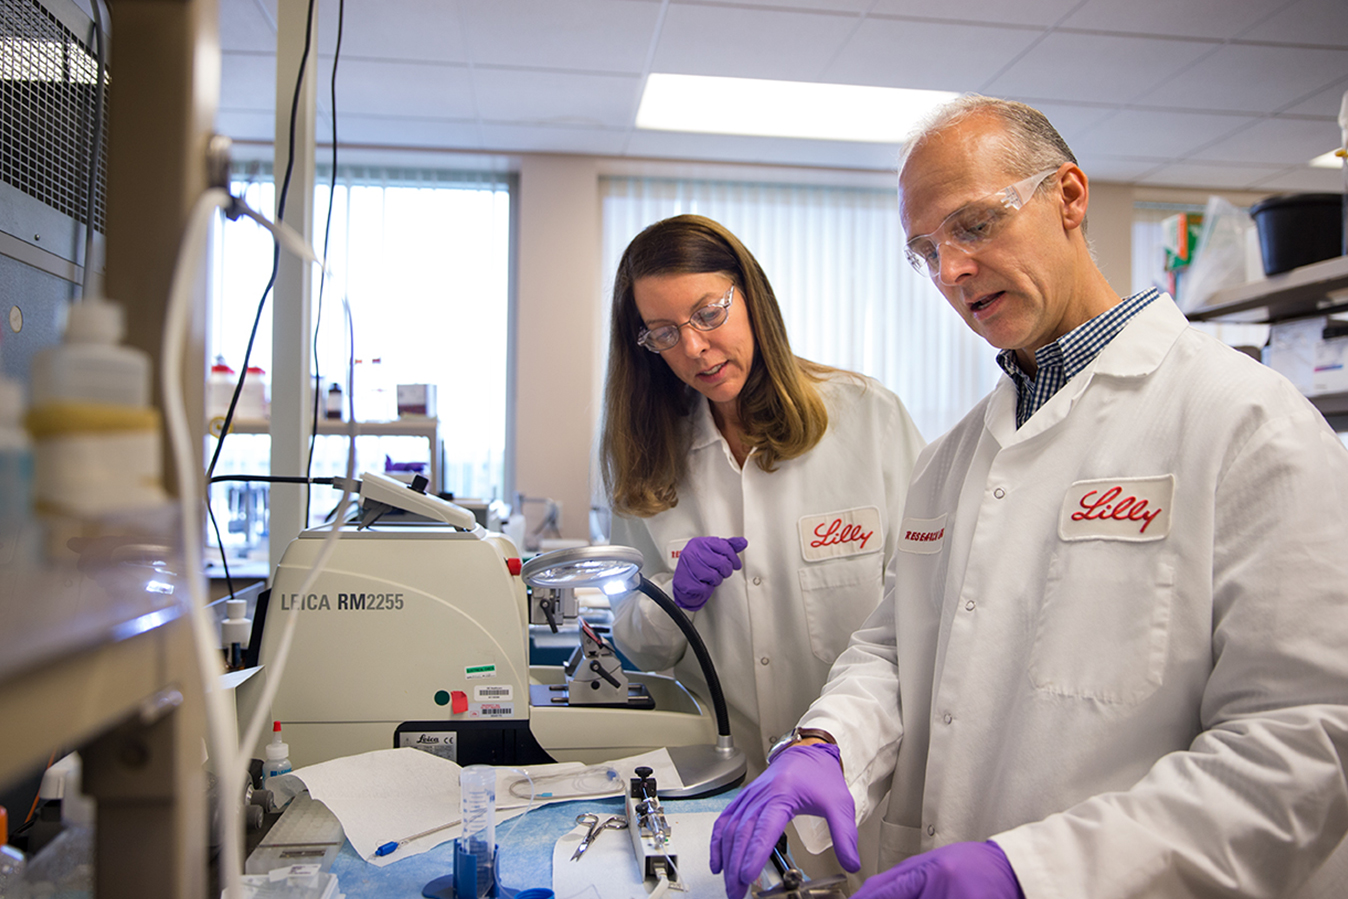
{"x":1063,"y":359}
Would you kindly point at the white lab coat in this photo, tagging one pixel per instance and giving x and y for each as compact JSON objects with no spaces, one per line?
{"x":774,"y":627}
{"x":1128,"y":710}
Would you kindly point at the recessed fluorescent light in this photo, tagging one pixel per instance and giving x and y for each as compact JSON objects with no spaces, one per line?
{"x":764,"y":108}
{"x":1328,"y":161}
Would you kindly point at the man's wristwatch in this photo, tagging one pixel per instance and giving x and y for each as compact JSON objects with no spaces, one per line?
{"x":795,"y":736}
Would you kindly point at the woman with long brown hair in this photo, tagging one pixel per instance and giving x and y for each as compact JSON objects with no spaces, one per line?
{"x":764,"y":489}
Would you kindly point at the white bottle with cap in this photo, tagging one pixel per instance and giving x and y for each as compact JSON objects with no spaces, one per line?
{"x":16,"y":456}
{"x":276,"y":763}
{"x":96,"y":436}
{"x":16,"y":480}
{"x":92,"y":365}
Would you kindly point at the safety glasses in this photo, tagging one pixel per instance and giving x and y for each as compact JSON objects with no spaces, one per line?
{"x":972,"y":226}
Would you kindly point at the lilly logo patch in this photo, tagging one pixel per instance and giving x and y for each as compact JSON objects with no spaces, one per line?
{"x":831,"y":535}
{"x":1135,"y":509}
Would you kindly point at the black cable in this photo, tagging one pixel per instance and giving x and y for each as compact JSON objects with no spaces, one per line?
{"x":323,"y":275}
{"x":224,"y":557}
{"x":699,"y":649}
{"x":271,"y":479}
{"x":276,"y":248}
{"x":96,"y":150}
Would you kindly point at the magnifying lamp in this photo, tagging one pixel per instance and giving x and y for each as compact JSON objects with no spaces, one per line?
{"x":617,"y":569}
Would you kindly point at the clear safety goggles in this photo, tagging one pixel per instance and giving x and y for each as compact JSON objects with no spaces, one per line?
{"x":973,"y":225}
{"x":704,"y":318}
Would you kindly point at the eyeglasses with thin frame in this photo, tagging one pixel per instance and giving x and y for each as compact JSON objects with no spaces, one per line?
{"x":973,"y":225}
{"x":708,"y":317}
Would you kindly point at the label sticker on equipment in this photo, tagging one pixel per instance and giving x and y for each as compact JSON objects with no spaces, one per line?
{"x":491,"y":710}
{"x":472,"y":672}
{"x":442,"y":743}
{"x":493,"y":693}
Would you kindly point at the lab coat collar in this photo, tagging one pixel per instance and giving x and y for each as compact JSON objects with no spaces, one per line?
{"x":1135,"y":352}
{"x":705,"y":432}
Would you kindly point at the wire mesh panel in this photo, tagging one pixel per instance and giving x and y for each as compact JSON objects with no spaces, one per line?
{"x":48,"y":86}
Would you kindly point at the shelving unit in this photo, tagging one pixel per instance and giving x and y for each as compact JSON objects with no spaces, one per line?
{"x":1317,"y":289}
{"x":91,"y":660}
{"x":1296,"y":294}
{"x":426,"y":428}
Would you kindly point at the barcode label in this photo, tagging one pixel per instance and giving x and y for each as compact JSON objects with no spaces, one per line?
{"x":493,"y":693}
{"x":491,"y":710}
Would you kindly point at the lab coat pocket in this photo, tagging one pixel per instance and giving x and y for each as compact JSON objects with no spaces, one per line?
{"x":1104,"y":624}
{"x":838,"y":596}
{"x":897,"y":843}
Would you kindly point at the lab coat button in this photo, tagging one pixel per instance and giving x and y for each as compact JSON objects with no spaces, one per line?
{"x":763,"y":661}
{"x":931,"y":830}
{"x":999,"y":493}
{"x":757,"y":581}
{"x":948,"y":718}
{"x":969,"y":605}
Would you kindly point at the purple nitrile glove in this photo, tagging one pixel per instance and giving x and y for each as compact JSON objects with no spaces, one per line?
{"x":703,"y":563}
{"x":802,"y":780}
{"x":956,"y":871}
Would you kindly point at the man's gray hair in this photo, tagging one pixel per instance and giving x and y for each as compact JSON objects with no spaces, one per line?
{"x":1033,"y":144}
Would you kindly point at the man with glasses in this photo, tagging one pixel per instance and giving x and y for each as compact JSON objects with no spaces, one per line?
{"x":1111,"y":658}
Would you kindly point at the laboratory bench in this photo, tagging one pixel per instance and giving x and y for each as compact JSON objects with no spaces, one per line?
{"x":525,"y":849}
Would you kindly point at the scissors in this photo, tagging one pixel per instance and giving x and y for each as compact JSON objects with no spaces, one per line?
{"x":594,"y":829}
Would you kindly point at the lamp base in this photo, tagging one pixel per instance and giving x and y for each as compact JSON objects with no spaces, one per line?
{"x":705,"y":769}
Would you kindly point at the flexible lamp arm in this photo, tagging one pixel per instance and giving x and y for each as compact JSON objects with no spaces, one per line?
{"x":699,"y":649}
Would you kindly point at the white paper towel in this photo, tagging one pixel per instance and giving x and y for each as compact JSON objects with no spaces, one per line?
{"x":608,"y":869}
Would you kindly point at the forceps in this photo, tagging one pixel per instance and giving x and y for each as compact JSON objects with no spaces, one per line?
{"x":594,"y":829}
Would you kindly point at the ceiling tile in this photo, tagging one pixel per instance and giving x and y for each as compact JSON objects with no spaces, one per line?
{"x":1158,"y":134}
{"x":1095,"y":68}
{"x":1318,"y":22}
{"x":1072,"y":120}
{"x":1023,"y":12}
{"x":244,"y":26}
{"x":1219,"y":19}
{"x":528,"y":97}
{"x":1123,"y":170}
{"x":1210,"y":175}
{"x":1325,"y":103}
{"x":749,"y":43}
{"x":893,"y":53}
{"x":396,"y":29}
{"x":735,"y":148}
{"x":853,"y":6}
{"x":1289,"y":141}
{"x":1303,"y":179}
{"x":247,"y":81}
{"x":545,"y":139}
{"x":244,"y":124}
{"x":1258,"y":79}
{"x":405,"y":132}
{"x":417,"y":90}
{"x":586,"y":35}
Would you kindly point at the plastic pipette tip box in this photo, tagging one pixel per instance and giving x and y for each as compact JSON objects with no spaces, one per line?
{"x":306,"y":832}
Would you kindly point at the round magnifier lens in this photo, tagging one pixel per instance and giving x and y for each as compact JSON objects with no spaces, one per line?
{"x":584,"y":566}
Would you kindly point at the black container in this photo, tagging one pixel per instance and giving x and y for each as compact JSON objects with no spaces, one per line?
{"x":1298,"y":229}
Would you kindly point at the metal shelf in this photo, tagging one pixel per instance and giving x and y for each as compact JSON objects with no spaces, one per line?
{"x":1296,"y":294}
{"x":426,"y":428}
{"x":1331,"y":403}
{"x":91,"y":659}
